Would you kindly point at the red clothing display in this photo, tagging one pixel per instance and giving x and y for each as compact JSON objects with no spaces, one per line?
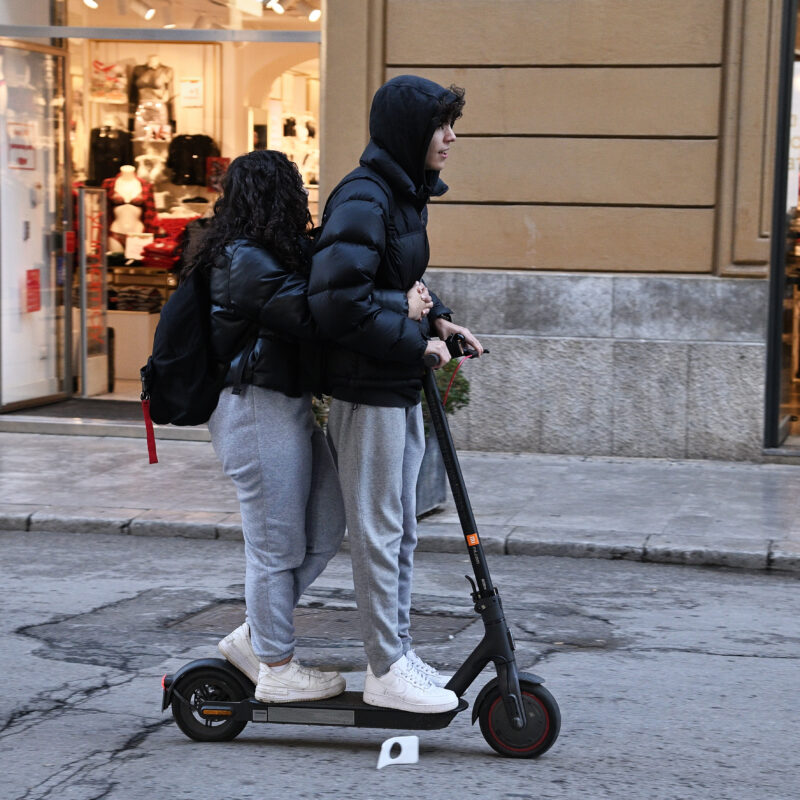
{"x":144,"y":200}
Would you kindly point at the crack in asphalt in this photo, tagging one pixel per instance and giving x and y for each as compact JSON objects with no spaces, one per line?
{"x":48,"y":703}
{"x":80,"y":770}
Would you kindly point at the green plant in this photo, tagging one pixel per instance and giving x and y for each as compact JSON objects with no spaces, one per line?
{"x":457,"y":398}
{"x":459,"y":391}
{"x":320,"y":405}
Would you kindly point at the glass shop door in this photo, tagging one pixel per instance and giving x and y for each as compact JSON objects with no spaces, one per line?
{"x":34,"y":361}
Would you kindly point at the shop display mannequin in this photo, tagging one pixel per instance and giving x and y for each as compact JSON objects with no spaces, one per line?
{"x":151,"y":167}
{"x":187,"y":158}
{"x":109,"y":148}
{"x":308,"y":153}
{"x":130,"y":207}
{"x":151,"y":92}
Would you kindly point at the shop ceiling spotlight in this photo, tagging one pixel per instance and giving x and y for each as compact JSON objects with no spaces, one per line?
{"x":90,"y":3}
{"x":275,"y":6}
{"x":305,"y":8}
{"x":143,"y":9}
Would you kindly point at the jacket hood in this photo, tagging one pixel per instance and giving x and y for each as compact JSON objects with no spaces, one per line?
{"x":401,"y":123}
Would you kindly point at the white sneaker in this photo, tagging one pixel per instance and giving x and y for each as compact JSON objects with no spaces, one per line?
{"x":431,"y":673}
{"x":296,"y":682}
{"x":237,"y":649}
{"x":403,"y":687}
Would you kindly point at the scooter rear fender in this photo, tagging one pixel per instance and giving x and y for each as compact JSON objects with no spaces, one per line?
{"x":168,"y":682}
{"x":523,"y":676}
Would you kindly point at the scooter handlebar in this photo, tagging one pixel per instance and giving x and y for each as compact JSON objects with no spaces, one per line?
{"x":458,"y":347}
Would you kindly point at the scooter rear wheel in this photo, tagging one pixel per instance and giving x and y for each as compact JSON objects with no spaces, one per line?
{"x":197,"y":688}
{"x":541,"y":729}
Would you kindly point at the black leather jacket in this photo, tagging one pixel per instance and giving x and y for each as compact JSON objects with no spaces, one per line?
{"x":259,"y":311}
{"x":371,"y":240}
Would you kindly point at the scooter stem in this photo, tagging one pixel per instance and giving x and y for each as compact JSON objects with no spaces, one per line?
{"x":447,"y":447}
{"x":497,"y":644}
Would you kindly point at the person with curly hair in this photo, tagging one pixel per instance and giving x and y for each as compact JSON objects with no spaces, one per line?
{"x":374,"y":238}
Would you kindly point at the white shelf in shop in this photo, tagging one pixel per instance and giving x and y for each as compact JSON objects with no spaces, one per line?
{"x":133,"y":341}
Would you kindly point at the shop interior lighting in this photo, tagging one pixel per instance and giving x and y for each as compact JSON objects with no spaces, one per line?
{"x":276,"y":6}
{"x":143,"y":9}
{"x":90,"y":3}
{"x":304,"y":8}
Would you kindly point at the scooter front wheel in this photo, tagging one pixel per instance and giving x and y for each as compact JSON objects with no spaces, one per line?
{"x":541,"y":729}
{"x":195,"y":689}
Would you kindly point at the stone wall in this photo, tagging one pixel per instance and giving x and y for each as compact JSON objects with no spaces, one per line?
{"x":624,"y":365}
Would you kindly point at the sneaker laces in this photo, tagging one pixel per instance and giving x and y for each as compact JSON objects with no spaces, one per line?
{"x":416,"y":678}
{"x":420,"y":665}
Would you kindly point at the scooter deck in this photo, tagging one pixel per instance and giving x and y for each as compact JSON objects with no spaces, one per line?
{"x":347,"y":709}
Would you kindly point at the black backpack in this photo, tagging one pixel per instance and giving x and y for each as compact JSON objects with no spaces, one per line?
{"x":181,"y":381}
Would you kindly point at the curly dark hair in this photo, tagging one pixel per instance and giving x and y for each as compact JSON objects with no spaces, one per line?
{"x":262,"y":200}
{"x":450,"y":110}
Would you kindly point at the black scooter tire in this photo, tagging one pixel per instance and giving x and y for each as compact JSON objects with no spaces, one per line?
{"x":203,"y":686}
{"x":538,"y":735}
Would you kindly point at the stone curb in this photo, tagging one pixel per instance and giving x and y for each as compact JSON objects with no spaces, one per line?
{"x":438,"y":537}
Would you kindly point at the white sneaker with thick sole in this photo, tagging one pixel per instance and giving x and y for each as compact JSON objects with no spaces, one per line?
{"x":295,"y":682}
{"x":431,"y":673}
{"x":405,"y":688}
{"x":237,"y":649}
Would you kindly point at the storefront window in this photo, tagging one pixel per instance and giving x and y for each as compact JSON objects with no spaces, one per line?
{"x":155,"y":125}
{"x":32,"y":192}
{"x":161,"y":97}
{"x":790,"y":372}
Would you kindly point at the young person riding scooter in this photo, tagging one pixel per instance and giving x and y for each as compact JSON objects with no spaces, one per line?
{"x":374,"y":238}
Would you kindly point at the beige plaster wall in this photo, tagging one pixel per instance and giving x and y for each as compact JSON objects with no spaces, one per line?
{"x":613,"y":136}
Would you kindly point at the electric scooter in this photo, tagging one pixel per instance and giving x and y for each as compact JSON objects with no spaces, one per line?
{"x":212,"y":701}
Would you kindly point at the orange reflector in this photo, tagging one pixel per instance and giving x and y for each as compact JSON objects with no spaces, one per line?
{"x":472,"y":539}
{"x":216,"y":712}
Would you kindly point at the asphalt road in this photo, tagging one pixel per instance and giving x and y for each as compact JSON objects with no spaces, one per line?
{"x":673,"y":682}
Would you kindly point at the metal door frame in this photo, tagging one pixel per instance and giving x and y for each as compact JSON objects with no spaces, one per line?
{"x":775,"y":429}
{"x":62,"y":225}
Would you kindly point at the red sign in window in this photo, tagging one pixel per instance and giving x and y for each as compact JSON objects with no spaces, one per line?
{"x":33,"y":290}
{"x":21,"y":153}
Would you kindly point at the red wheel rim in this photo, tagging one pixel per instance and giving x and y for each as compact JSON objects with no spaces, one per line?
{"x":529,"y":747}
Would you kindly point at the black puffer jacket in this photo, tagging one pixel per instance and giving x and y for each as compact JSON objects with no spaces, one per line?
{"x":259,"y":311}
{"x":370,"y":241}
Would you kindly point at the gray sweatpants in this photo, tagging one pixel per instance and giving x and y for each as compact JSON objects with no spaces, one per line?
{"x":291,"y":505}
{"x":379,"y":453}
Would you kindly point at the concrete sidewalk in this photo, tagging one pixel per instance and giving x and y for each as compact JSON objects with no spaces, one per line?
{"x":683,"y":512}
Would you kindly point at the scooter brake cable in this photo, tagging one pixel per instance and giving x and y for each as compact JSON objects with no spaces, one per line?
{"x":452,"y":378}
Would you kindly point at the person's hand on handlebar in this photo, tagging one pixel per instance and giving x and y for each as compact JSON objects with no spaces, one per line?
{"x":439,"y":349}
{"x":445,"y":328}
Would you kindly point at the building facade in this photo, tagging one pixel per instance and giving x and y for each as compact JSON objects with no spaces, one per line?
{"x":608,"y":229}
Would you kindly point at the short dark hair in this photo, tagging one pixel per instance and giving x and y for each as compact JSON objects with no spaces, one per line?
{"x":450,"y":107}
